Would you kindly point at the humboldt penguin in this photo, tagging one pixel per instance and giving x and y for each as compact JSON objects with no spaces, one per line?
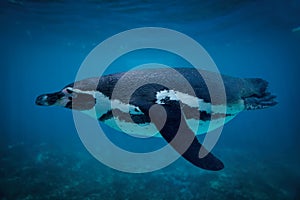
{"x":184,"y":109}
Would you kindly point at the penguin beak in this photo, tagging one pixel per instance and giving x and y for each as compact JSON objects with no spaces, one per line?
{"x":49,"y":99}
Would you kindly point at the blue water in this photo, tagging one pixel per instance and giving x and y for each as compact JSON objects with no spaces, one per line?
{"x":43,"y":44}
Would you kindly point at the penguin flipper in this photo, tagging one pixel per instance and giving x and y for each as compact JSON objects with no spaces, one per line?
{"x":176,"y":132}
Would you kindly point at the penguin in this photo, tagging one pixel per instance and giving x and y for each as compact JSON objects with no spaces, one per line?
{"x":183,"y":110}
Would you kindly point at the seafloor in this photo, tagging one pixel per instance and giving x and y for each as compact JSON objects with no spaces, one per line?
{"x":51,"y":172}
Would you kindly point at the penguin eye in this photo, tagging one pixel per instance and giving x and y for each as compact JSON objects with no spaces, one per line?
{"x":69,"y":90}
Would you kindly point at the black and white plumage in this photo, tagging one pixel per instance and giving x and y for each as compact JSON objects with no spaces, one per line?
{"x":93,"y":96}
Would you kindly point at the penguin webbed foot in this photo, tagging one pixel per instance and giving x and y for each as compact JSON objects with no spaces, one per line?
{"x":260,"y":102}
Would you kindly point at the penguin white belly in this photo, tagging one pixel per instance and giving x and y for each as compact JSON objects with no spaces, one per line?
{"x":149,"y":129}
{"x":104,"y":105}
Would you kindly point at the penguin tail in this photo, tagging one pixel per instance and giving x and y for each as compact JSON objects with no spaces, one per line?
{"x":258,"y":97}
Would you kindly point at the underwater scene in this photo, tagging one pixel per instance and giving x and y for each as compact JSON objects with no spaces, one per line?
{"x":45,"y":43}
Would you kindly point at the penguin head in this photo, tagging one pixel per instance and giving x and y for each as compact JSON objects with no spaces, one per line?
{"x":68,"y":97}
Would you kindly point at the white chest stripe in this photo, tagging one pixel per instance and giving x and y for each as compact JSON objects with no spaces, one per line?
{"x":104,"y":104}
{"x":195,"y":102}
